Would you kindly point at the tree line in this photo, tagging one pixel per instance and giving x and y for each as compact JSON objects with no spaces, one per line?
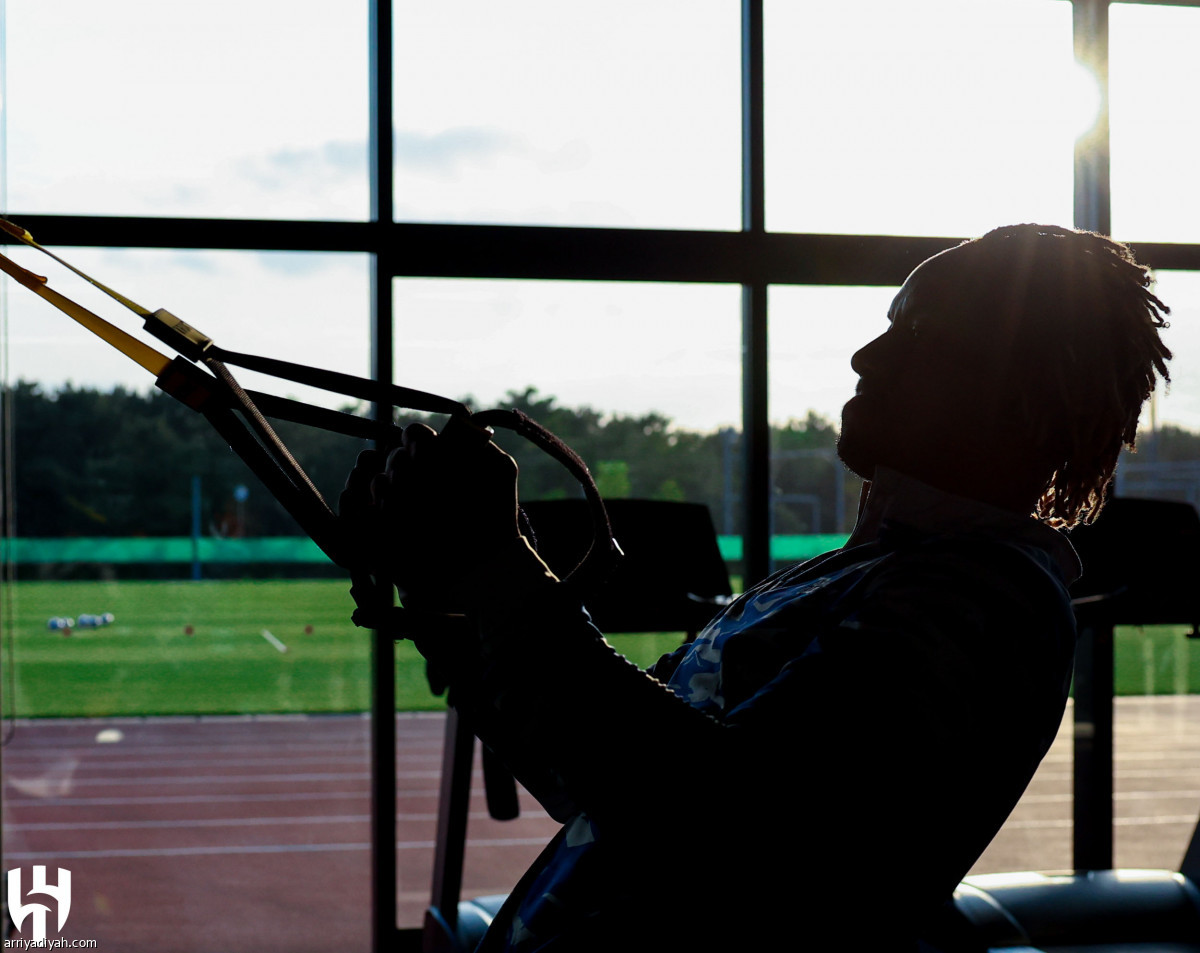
{"x":85,"y":462}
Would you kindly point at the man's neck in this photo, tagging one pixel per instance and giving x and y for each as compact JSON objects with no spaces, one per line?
{"x":1003,"y":487}
{"x":893,"y":491}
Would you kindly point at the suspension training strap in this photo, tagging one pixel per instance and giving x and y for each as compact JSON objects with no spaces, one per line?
{"x":22,"y":235}
{"x":128,"y":345}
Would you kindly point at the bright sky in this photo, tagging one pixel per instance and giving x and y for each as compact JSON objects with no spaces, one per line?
{"x":933,"y":117}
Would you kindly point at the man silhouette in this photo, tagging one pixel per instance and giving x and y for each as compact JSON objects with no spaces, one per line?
{"x":876,"y":710}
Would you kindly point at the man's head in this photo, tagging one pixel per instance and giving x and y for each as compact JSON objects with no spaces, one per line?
{"x":1014,"y":370}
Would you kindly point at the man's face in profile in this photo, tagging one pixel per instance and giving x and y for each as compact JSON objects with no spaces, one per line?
{"x":928,"y":385}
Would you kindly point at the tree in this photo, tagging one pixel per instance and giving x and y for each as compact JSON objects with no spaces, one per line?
{"x":119,"y":463}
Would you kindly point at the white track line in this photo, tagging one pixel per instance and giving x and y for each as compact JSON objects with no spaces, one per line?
{"x":218,"y":779}
{"x":225,"y":822}
{"x":200,"y":822}
{"x":257,"y":849}
{"x":1188,"y":820}
{"x":24,"y":771}
{"x":30,"y":803}
{"x":199,"y":798}
{"x":266,"y":634}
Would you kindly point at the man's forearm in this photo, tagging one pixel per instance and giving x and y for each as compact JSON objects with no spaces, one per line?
{"x":581,"y":726}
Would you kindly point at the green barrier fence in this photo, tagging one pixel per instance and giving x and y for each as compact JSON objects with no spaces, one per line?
{"x":288,"y":549}
{"x":163,"y":549}
{"x":786,"y":548}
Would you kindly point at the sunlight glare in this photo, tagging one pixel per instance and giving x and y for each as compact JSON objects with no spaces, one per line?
{"x":1082,"y":99}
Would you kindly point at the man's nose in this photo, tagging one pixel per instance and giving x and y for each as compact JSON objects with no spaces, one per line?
{"x":870,"y":356}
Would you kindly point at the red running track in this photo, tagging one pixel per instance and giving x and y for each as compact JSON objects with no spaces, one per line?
{"x":240,"y":834}
{"x":188,"y":835}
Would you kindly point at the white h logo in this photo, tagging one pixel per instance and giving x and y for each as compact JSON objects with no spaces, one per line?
{"x":60,"y":892}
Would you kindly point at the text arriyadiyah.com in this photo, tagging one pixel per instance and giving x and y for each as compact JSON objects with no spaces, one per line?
{"x":50,"y":943}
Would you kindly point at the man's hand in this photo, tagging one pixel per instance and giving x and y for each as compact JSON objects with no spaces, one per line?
{"x":434,"y":515}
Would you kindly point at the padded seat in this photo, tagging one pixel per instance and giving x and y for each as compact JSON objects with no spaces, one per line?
{"x":474,"y":918}
{"x":1108,"y":911}
{"x":1104,"y":911}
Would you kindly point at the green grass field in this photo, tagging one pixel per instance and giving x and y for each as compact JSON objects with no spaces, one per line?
{"x":147,"y":662}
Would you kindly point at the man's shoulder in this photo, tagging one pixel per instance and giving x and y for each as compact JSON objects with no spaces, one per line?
{"x":970,"y":603}
{"x":1008,"y":571}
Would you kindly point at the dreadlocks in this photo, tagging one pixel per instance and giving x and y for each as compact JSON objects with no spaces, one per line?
{"x":1078,"y":327}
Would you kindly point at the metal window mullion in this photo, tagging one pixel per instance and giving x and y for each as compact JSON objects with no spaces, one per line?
{"x":383,"y":673}
{"x":554,"y":252}
{"x":756,"y":545}
{"x":383,"y":686}
{"x":756,"y":450}
{"x":1092,"y":764}
{"x":379,"y":133}
{"x":753,"y":151}
{"x":1093,"y":197}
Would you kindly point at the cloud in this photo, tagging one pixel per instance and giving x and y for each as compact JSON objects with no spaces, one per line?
{"x":443,"y":152}
{"x":338,"y":157}
{"x":345,"y":159}
{"x":295,"y":264}
{"x":335,"y":172}
{"x":338,"y":160}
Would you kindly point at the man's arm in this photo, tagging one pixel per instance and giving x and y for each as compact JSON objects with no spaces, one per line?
{"x":939,"y":637}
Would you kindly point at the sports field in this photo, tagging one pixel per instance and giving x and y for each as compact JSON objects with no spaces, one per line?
{"x":242,"y":647}
{"x":252,"y":647}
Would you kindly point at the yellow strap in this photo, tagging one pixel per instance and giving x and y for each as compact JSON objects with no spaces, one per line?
{"x":22,"y":235}
{"x":128,"y":345}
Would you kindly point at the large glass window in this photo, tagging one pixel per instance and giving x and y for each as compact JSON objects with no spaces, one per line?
{"x":594,"y":113}
{"x":230,"y":110}
{"x":1178,"y":404}
{"x":1167,"y":462}
{"x":814,"y":332}
{"x":1157,"y":670}
{"x":184,"y":691}
{"x":1155,"y":86}
{"x":1156,"y":771}
{"x":305,"y":307}
{"x":193,"y":748}
{"x":615,"y":347}
{"x":920,"y":118}
{"x":642,"y":380}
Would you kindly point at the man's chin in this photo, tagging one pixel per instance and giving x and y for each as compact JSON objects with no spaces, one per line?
{"x":856,"y":459}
